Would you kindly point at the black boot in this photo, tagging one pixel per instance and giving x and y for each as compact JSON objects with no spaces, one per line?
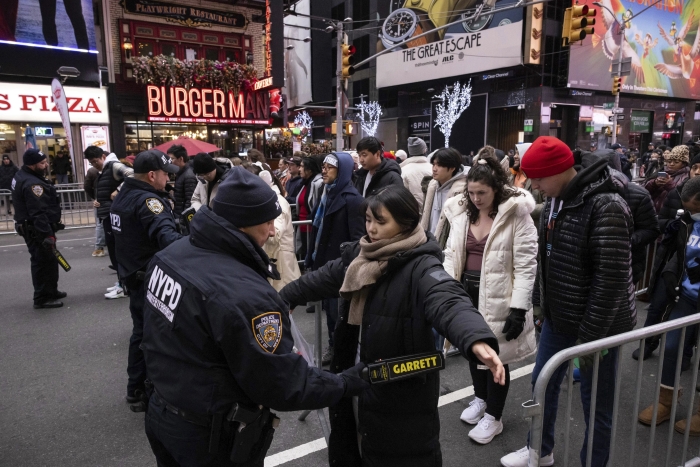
{"x":649,"y":348}
{"x":48,"y":304}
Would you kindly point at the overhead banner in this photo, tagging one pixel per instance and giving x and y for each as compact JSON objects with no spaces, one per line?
{"x":660,"y":44}
{"x":492,"y":42}
{"x":297,"y":60}
{"x":35,"y":103}
{"x":59,"y":98}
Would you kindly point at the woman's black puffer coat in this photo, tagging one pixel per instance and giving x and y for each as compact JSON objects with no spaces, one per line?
{"x":185,"y":184}
{"x":586,"y":277}
{"x":399,"y":421}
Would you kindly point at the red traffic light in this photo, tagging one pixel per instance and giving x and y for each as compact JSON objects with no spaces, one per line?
{"x":351,"y":49}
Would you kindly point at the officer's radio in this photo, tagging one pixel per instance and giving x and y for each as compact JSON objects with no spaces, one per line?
{"x":395,"y":369}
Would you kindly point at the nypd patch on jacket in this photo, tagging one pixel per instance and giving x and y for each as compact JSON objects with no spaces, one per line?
{"x":216,"y":332}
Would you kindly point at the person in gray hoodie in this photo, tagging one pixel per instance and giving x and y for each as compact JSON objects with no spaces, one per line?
{"x":449,"y":179}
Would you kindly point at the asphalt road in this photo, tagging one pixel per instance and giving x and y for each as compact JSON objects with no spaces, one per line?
{"x":63,"y":381}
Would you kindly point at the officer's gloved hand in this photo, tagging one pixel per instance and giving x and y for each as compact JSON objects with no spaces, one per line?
{"x":354,"y":384}
{"x":515,"y":323}
{"x":694,"y":273}
{"x":671,"y":282}
{"x":49,"y":243}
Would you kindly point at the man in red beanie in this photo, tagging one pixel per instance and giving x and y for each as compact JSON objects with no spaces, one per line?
{"x":585,"y":279}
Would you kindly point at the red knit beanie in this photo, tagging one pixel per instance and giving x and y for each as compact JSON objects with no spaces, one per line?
{"x":546,"y":157}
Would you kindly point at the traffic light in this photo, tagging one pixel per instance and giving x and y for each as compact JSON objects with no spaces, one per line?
{"x":348,"y":51}
{"x":617,"y":84}
{"x":578,"y":22}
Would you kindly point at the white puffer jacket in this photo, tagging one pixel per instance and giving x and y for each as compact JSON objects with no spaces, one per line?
{"x":281,"y":247}
{"x":413,"y":171}
{"x":507,"y":270}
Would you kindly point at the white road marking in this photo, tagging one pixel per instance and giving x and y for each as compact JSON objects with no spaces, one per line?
{"x":320,"y":443}
{"x":58,"y":241}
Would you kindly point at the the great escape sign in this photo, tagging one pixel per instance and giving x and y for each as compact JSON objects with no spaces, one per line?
{"x":183,"y":14}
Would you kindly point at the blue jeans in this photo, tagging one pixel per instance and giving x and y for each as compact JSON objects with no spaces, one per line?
{"x":685,"y":307}
{"x":551,"y":342}
{"x":62,"y":179}
{"x":100,"y":241}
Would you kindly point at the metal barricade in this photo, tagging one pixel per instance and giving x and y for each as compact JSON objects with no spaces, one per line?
{"x":7,"y":224}
{"x":534,"y":409}
{"x":643,"y":284}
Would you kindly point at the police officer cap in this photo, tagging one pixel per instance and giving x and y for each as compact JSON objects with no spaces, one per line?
{"x":244,"y":199}
{"x":152,"y":160}
{"x":33,"y":156}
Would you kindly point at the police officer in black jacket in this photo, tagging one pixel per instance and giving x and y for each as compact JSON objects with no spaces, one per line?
{"x":37,"y":218}
{"x":217,"y":340}
{"x":143,"y":224}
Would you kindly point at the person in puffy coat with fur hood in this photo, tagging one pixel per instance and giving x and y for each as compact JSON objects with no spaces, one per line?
{"x":492,"y":251}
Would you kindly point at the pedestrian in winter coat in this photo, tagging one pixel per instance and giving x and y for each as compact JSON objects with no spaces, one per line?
{"x":185,"y":180}
{"x":336,"y":220}
{"x":672,"y":203}
{"x":585,"y":280}
{"x":680,"y":278}
{"x":7,"y":172}
{"x":308,"y":198}
{"x":676,"y":168}
{"x":449,"y":180}
{"x":280,"y":248}
{"x":518,"y":179}
{"x":62,"y":167}
{"x":492,"y":251}
{"x":395,"y":290}
{"x":654,"y":165}
{"x":416,"y":168}
{"x":646,"y":226}
{"x":377,"y":171}
{"x":295,"y":180}
{"x":210,"y":172}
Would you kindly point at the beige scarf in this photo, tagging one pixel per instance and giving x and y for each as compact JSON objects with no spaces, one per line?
{"x":369,"y":266}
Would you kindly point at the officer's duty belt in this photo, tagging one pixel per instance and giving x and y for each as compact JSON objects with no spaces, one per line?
{"x":191,"y":417}
{"x":395,"y":369}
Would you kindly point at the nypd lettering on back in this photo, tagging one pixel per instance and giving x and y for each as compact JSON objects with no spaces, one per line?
{"x":164,"y":293}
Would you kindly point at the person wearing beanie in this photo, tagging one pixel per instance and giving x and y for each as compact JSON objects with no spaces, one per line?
{"x":336,"y":220}
{"x":142,"y":223}
{"x":377,"y":171}
{"x":8,"y":169}
{"x":674,"y":173}
{"x":517,"y":178}
{"x":673,"y":203}
{"x":210,"y":172}
{"x":37,"y":219}
{"x":416,"y":168}
{"x":217,"y":334}
{"x":585,"y":279}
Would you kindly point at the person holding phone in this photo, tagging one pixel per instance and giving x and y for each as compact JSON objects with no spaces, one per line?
{"x":675,"y":172}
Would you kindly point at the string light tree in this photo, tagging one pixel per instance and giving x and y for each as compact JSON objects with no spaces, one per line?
{"x":373,"y":111}
{"x":304,"y":122}
{"x":453,"y":104}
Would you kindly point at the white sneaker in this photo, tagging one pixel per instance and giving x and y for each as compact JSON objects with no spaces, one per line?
{"x":474,"y":412}
{"x":487,"y":429}
{"x":116,"y":293}
{"x":115,"y":286}
{"x":521,"y":457}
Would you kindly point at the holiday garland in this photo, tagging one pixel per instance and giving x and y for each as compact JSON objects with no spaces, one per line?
{"x":165,"y":70}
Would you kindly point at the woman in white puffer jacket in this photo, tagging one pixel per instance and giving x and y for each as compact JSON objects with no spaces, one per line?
{"x":492,"y":250}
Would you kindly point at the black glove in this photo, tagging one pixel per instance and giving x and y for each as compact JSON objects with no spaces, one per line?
{"x":671,"y":282}
{"x":49,"y":243}
{"x":694,"y":274}
{"x":515,"y":323}
{"x":354,"y":384}
{"x":586,"y":362}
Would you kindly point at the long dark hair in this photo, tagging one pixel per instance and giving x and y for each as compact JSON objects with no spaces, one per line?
{"x":488,"y":171}
{"x":400,"y":203}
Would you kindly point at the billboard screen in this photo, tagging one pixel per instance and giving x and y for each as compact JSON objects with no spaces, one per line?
{"x":662,"y":44}
{"x":492,"y":42}
{"x":297,"y":60}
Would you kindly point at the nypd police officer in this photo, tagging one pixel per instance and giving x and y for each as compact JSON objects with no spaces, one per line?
{"x":217,"y":338}
{"x":142,"y":223}
{"x":37,"y":218}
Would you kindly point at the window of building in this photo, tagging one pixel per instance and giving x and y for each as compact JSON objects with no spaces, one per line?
{"x":362,"y":46}
{"x":144,"y":48}
{"x":360,"y":11}
{"x":211,"y":54}
{"x":338,"y":12}
{"x":360,"y":88}
{"x":169,"y":50}
{"x":334,"y":61}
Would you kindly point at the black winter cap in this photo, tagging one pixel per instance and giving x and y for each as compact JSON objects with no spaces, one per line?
{"x":203,"y":164}
{"x":244,"y":199}
{"x":33,"y":156}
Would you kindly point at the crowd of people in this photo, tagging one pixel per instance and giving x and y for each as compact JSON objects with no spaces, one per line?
{"x":499,"y":256}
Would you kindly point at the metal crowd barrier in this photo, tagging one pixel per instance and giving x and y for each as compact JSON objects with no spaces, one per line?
{"x":6,"y":221}
{"x":534,"y":409}
{"x":642,"y":286}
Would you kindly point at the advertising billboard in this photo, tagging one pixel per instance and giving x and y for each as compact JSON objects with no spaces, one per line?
{"x":493,"y":41}
{"x":38,"y":37}
{"x":297,"y":60}
{"x":662,"y":45}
